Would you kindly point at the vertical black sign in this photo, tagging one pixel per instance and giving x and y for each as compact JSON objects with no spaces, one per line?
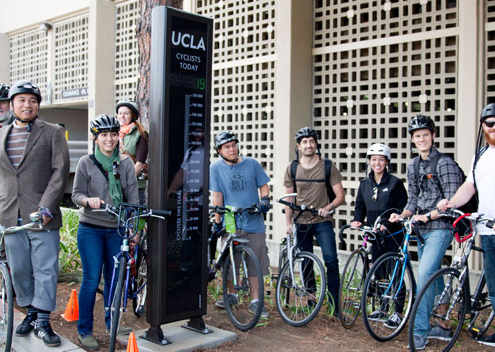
{"x":179,"y":165}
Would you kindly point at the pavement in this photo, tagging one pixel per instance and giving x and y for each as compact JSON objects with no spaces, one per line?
{"x":179,"y":338}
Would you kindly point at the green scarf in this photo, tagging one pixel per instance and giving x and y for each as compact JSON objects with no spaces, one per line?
{"x":107,"y":164}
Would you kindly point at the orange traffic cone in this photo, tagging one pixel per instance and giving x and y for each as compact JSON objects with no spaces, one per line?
{"x":132,"y":344}
{"x":72,"y":310}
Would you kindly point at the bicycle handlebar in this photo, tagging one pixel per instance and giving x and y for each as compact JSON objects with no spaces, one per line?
{"x":36,"y":219}
{"x":157,"y":213}
{"x":300,"y":208}
{"x":253,"y":209}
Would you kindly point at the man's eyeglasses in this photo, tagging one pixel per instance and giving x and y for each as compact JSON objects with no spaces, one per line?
{"x":489,"y":124}
{"x":375,"y":194}
{"x":116,"y":170}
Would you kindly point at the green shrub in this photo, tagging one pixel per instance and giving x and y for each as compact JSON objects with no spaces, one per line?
{"x":69,"y":260}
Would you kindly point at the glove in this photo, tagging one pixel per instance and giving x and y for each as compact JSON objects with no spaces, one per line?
{"x":217,"y":227}
{"x":46,"y":212}
{"x":264,"y":205}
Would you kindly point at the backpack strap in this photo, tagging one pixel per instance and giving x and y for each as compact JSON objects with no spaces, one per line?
{"x":98,"y":165}
{"x":328,"y":172}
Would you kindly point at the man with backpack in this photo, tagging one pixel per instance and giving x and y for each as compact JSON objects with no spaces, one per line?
{"x":431,"y":177}
{"x":480,"y":179}
{"x":318,"y":184}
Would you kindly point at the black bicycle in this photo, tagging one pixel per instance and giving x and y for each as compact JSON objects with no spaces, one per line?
{"x":449,"y":306}
{"x":128,"y":216}
{"x":240,"y":266}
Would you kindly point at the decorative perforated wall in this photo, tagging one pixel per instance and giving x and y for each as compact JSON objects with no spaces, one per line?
{"x":377,"y":64}
{"x":243,"y":75}
{"x":70,"y":52}
{"x":126,"y":50}
{"x":29,"y":59}
{"x":489,"y":50}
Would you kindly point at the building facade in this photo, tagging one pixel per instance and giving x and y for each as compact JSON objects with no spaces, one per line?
{"x":356,"y":70}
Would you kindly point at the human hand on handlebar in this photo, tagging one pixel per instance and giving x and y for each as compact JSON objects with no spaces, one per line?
{"x":394,"y":217}
{"x":445,"y":204}
{"x":289,"y":230}
{"x":356,"y":224}
{"x":264,"y":205}
{"x":217,"y":227}
{"x":93,"y":202}
{"x":324,"y":212}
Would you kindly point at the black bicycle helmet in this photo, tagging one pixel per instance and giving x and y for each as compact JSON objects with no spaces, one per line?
{"x":4,"y":92}
{"x":104,"y":123}
{"x":24,"y":87}
{"x":420,"y":122}
{"x":224,"y":137}
{"x":488,"y":111}
{"x":130,"y":104}
{"x":306,"y":132}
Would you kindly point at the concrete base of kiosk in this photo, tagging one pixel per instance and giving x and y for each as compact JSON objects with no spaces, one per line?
{"x":181,"y":339}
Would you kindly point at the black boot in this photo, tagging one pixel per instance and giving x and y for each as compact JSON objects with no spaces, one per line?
{"x":44,"y":331}
{"x":27,"y":325}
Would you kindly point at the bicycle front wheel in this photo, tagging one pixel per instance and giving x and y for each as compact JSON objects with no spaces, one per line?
{"x":351,"y":288}
{"x":300,"y":293}
{"x":139,"y":286}
{"x":388,"y":296}
{"x":6,"y":307}
{"x":442,"y":300}
{"x":249,"y":278}
{"x":116,"y":307}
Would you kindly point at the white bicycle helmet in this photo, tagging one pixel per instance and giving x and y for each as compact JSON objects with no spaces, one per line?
{"x":379,"y":149}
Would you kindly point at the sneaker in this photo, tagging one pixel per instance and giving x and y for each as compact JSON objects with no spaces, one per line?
{"x":44,"y":331}
{"x":232,"y":301}
{"x":88,"y":341}
{"x":27,"y":325}
{"x":439,"y":333}
{"x":377,"y":315}
{"x":123,"y":330}
{"x":420,"y":342}
{"x":489,"y":341}
{"x":394,"y":321}
{"x":253,"y":307}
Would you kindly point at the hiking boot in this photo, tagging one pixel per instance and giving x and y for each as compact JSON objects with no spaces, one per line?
{"x":394,"y":321}
{"x":88,"y":341}
{"x":420,"y":342}
{"x":377,"y":315}
{"x":253,"y":307}
{"x":45,"y":332}
{"x":27,"y":325}
{"x":122,"y":330}
{"x":440,"y":333}
{"x":232,"y":301}
{"x":489,"y":341}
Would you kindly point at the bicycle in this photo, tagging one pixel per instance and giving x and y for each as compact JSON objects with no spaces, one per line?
{"x":356,"y":270}
{"x":128,"y":216}
{"x":301,"y":282}
{"x":234,"y":250}
{"x":455,"y":301}
{"x":6,"y":288}
{"x":389,"y":289}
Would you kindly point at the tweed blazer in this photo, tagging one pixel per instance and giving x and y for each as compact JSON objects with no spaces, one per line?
{"x":41,"y":177}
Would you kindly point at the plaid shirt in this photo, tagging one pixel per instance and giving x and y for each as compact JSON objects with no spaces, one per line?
{"x":424,"y":194}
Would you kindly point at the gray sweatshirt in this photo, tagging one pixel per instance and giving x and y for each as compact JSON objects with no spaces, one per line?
{"x":90,"y":182}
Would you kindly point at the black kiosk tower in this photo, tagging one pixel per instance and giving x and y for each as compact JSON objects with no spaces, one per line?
{"x":180,"y":98}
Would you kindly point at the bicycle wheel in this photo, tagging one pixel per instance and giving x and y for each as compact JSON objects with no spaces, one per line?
{"x":116,"y":307}
{"x":388,"y":296}
{"x":448,"y":305}
{"x":7,"y":307}
{"x":139,"y":286}
{"x":237,"y":303}
{"x":299,"y":296}
{"x":351,"y":288}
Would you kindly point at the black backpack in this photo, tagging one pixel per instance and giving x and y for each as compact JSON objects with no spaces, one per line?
{"x":328,"y":172}
{"x":471,"y":206}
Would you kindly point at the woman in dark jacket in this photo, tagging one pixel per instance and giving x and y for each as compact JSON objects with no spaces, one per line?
{"x":378,"y":193}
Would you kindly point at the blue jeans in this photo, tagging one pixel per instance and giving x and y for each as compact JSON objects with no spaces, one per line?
{"x":97,"y":246}
{"x":325,"y":236}
{"x":488,"y":244}
{"x":430,"y":254}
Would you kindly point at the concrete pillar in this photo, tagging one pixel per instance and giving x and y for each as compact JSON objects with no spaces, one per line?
{"x":469,"y":99}
{"x":101,"y":53}
{"x":4,"y":58}
{"x":293,"y":87}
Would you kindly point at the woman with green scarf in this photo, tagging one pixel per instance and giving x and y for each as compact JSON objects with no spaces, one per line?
{"x":106,"y":176}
